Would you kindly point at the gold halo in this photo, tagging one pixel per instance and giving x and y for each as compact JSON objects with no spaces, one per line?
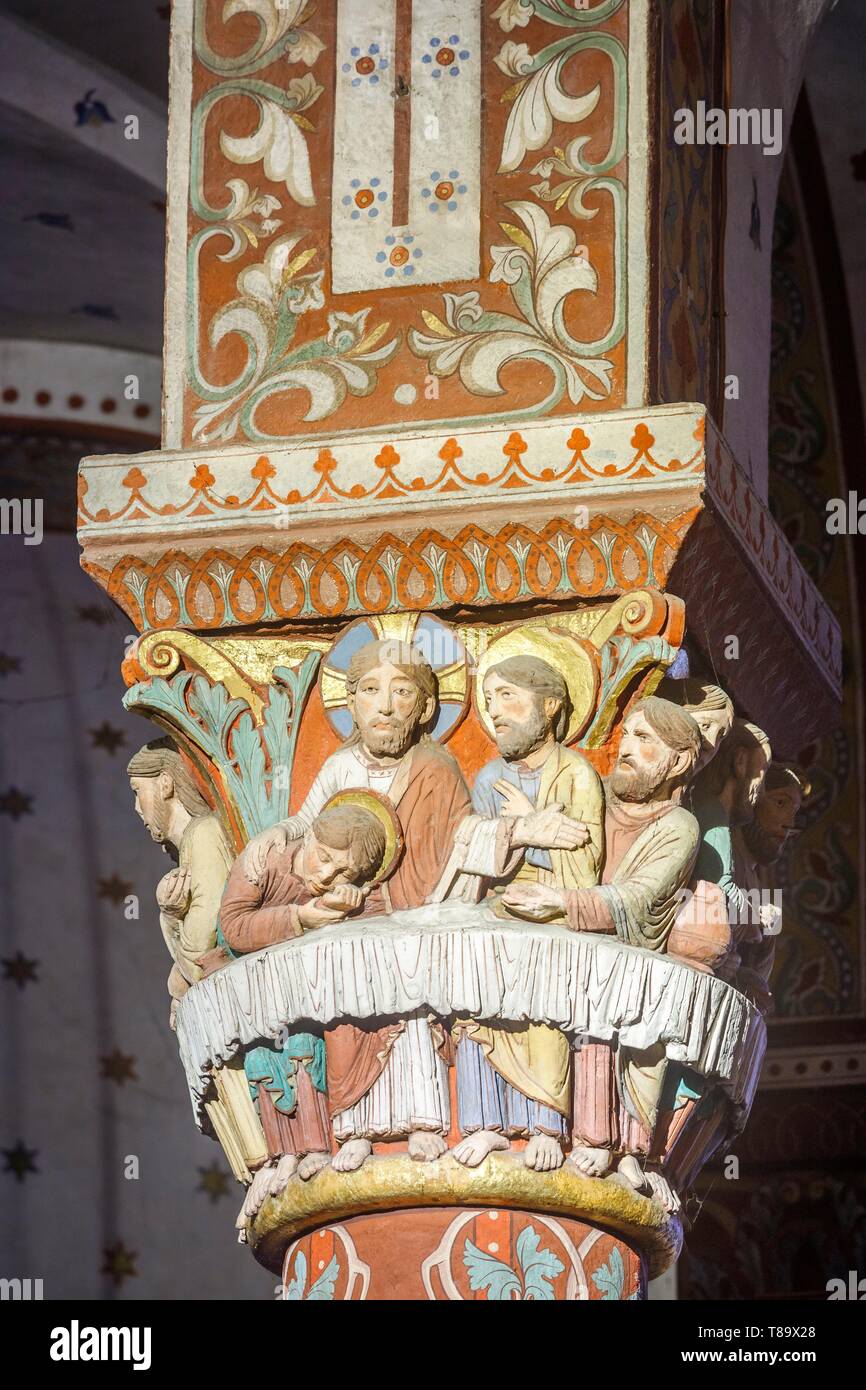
{"x":384,"y":812}
{"x":561,"y":651}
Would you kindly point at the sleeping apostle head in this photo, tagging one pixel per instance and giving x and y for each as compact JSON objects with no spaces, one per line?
{"x":528,"y":704}
{"x":659,"y":747}
{"x":709,"y":706}
{"x":345,"y":844}
{"x":166,"y":796}
{"x":391,"y":696}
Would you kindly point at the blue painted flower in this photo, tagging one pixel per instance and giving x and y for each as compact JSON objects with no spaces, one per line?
{"x":365,"y":198}
{"x":399,"y":255}
{"x":446,"y":56}
{"x":443,"y":191}
{"x":366,"y":65}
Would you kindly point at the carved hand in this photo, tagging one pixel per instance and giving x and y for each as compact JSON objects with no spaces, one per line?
{"x":516,"y":802}
{"x":534,"y":900}
{"x":550,"y":829}
{"x":255,"y":855}
{"x":172,"y":892}
{"x":317,"y":914}
{"x":345,"y":897}
{"x":769,"y":915}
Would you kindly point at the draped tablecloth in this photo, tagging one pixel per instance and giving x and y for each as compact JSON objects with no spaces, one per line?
{"x":461,"y":960}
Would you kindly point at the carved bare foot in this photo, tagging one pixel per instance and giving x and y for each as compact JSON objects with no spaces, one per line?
{"x":592,"y":1163}
{"x":475,"y":1147}
{"x":241,"y":1224}
{"x":311,"y":1164}
{"x":424,"y":1145}
{"x":543,"y":1153}
{"x":629,"y":1169}
{"x":256,"y":1193}
{"x":661,"y":1189}
{"x":285,"y":1169}
{"x":351,"y":1155}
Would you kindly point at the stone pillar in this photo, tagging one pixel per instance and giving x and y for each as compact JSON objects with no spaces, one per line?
{"x":431,"y":352}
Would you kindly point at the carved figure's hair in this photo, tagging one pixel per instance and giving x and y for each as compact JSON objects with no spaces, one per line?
{"x":535,"y":674}
{"x":162,"y":755}
{"x":743,"y":737}
{"x":358,"y":831}
{"x":692,"y":693}
{"x":674,"y":725}
{"x":787,"y":776}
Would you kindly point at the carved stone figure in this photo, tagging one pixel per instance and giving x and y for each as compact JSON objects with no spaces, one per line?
{"x":758,"y":846}
{"x":650,"y":846}
{"x":314,"y":881}
{"x":724,"y":796}
{"x":543,"y":804}
{"x":169,"y":802}
{"x":389,"y":1082}
{"x":709,"y":706}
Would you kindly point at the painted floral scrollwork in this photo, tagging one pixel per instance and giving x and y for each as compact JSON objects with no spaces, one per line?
{"x":274,"y":294}
{"x":281,"y":33}
{"x":279,"y":142}
{"x":542,"y":266}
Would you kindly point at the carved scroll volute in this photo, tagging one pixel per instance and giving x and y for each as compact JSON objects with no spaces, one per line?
{"x":237,"y":732}
{"x":637,"y":640}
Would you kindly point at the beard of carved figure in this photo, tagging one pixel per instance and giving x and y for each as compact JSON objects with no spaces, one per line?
{"x":517,"y":740}
{"x":766,"y":848}
{"x":388,"y":735}
{"x":637,"y":784}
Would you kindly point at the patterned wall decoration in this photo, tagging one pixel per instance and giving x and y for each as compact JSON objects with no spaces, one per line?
{"x":795,"y":1218}
{"x":396,"y":211}
{"x":688,"y":315}
{"x":819,"y":967}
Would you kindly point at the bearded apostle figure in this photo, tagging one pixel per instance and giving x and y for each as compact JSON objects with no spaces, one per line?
{"x":390,"y":1082}
{"x":758,"y":846}
{"x":538,"y":811}
{"x":651,"y":843}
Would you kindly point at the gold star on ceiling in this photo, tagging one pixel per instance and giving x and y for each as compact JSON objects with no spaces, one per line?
{"x":19,"y":1160}
{"x":214,"y":1182}
{"x":119,"y":1263}
{"x":20,"y":970}
{"x":115,"y":889}
{"x":107,"y":737}
{"x":15,"y":803}
{"x":118,"y":1067}
{"x":9,"y":663}
{"x":93,"y":613}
